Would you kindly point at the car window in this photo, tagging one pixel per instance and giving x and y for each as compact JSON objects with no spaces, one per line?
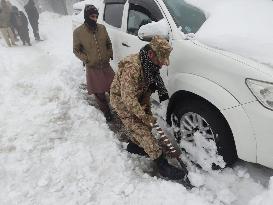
{"x":135,"y":20}
{"x":186,"y":16}
{"x":113,"y":14}
{"x":140,"y":13}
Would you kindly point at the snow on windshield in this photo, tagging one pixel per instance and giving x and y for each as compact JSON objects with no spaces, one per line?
{"x":244,"y":27}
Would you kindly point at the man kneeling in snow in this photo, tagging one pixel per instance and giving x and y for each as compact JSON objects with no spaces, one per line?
{"x":137,"y":77}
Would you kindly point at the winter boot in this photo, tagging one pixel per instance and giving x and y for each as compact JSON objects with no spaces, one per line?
{"x":169,"y":171}
{"x":108,"y":116}
{"x":135,"y":149}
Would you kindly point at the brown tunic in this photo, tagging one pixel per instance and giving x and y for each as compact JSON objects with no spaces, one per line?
{"x":99,"y":79}
{"x":94,"y":48}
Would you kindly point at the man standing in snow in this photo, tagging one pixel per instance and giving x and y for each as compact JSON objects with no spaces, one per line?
{"x":92,"y":45}
{"x":5,"y":26}
{"x":22,"y":25}
{"x":33,"y":17}
{"x":137,"y":77}
{"x":13,"y":21}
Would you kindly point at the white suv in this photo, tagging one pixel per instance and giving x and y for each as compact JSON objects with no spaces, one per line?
{"x":226,"y":97}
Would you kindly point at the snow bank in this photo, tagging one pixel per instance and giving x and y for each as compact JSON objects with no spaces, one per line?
{"x":265,"y":198}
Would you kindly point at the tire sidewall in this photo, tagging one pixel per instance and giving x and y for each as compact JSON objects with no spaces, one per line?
{"x":221,"y":130}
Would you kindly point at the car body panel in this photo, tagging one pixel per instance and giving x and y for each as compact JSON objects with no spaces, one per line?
{"x":261,"y":119}
{"x":216,"y":66}
{"x":227,"y":104}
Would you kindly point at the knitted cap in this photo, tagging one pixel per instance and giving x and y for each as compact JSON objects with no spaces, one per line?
{"x":89,"y":10}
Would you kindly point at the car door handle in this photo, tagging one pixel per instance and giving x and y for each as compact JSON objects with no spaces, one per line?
{"x":125,"y":44}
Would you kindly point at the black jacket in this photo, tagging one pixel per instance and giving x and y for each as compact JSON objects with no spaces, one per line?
{"x":32,"y":12}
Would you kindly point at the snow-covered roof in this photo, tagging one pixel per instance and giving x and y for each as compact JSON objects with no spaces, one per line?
{"x":244,"y":27}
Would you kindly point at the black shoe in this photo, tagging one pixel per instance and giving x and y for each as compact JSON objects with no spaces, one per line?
{"x":135,"y":149}
{"x":169,"y":171}
{"x":108,"y":116}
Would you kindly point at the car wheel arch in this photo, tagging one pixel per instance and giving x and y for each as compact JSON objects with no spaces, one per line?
{"x":225,"y":141}
{"x":229,"y":106}
{"x":240,"y":136}
{"x":182,"y":94}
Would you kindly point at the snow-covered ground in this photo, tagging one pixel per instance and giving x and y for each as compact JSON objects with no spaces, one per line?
{"x":57,"y":149}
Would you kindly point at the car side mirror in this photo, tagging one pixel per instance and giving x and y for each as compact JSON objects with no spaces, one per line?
{"x":147,"y":31}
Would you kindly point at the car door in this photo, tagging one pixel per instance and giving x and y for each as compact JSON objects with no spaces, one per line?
{"x":112,"y":19}
{"x":138,"y":13}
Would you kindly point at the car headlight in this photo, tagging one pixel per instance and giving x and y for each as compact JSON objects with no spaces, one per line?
{"x":263,"y":91}
{"x":77,"y":11}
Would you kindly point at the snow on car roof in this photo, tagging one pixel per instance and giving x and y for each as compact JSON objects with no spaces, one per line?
{"x":244,"y":27}
{"x":81,"y":4}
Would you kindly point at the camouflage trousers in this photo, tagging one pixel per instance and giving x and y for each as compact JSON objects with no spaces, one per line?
{"x":140,"y":133}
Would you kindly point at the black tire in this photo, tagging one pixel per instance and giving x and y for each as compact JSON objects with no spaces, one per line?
{"x":223,"y":136}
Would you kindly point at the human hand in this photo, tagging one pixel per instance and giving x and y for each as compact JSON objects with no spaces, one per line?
{"x":150,"y":120}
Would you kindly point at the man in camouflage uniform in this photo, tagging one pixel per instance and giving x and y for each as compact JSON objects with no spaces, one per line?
{"x":137,"y":77}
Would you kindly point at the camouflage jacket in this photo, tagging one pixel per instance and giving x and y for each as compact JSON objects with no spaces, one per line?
{"x":128,"y":89}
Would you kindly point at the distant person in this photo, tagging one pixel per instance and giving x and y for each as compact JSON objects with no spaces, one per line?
{"x":13,"y":21}
{"x":9,"y":4}
{"x":92,"y":45}
{"x":11,"y":7}
{"x":22,"y":25}
{"x":33,"y":17}
{"x":5,"y":26}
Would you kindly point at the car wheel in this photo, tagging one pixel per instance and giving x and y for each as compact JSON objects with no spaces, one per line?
{"x":198,"y":115}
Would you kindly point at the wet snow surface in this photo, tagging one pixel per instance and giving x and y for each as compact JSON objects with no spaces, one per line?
{"x":56,"y":148}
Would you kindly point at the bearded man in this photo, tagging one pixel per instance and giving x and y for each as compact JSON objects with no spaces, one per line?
{"x":92,"y":45}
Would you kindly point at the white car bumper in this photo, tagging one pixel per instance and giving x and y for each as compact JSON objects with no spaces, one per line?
{"x":261,"y":119}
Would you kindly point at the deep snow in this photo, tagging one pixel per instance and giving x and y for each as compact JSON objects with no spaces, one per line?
{"x":57,"y":149}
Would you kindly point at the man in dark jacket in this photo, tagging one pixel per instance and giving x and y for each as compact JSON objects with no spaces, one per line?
{"x":13,"y":22}
{"x":5,"y":29}
{"x":33,"y":17}
{"x":92,"y":45}
{"x":22,"y":25}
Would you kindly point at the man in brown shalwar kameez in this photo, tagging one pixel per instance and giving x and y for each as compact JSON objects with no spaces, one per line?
{"x":92,"y":45}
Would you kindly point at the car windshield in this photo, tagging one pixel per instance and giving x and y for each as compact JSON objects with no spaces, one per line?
{"x":186,"y":16}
